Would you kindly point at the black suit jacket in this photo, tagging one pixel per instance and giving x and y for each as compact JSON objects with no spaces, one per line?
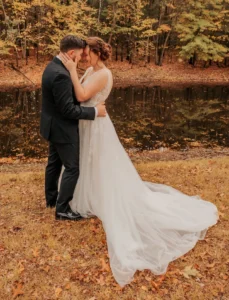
{"x":60,"y":111}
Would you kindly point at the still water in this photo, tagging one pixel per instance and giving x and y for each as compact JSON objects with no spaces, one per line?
{"x":144,"y":117}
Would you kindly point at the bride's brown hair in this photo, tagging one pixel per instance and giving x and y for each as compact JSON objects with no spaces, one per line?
{"x":99,"y":47}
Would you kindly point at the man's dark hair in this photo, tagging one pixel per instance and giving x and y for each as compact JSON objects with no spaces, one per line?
{"x":70,"y":42}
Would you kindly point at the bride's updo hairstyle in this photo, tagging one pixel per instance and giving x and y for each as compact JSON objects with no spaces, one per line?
{"x":99,"y":47}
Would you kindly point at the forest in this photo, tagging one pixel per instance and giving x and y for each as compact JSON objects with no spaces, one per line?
{"x":146,"y":31}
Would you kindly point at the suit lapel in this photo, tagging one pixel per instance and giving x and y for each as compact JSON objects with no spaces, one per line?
{"x":59,"y":62}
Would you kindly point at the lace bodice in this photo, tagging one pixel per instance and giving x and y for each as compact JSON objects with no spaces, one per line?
{"x":104,"y":93}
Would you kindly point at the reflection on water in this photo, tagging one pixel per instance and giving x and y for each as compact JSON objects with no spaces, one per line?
{"x":145,"y":118}
{"x":148,"y":118}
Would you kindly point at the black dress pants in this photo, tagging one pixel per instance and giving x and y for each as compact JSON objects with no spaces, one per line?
{"x":66,"y":155}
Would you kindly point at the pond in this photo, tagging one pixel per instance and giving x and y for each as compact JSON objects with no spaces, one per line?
{"x":145,"y":118}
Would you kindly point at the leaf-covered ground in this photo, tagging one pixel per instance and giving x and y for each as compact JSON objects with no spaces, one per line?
{"x":42,"y":258}
{"x":124,"y":74}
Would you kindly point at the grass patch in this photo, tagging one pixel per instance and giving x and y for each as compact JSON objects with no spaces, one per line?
{"x":46,"y":259}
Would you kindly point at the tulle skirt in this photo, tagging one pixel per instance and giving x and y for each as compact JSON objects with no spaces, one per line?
{"x":147,"y":225}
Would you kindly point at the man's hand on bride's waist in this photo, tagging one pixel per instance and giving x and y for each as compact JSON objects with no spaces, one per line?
{"x":101,"y":109}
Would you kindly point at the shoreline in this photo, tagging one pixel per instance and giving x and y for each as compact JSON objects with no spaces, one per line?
{"x":31,"y":163}
{"x":176,"y":75}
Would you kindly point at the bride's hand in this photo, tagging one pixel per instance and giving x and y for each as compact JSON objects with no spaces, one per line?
{"x":69,"y":64}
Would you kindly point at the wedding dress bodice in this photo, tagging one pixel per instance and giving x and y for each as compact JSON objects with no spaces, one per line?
{"x":104,"y":93}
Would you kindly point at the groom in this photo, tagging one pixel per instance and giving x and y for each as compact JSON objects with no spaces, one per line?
{"x":60,"y":116}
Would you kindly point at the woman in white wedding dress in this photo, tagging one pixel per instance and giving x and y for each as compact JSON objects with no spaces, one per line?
{"x":147,"y":225}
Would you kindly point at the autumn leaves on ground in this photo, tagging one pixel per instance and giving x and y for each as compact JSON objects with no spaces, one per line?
{"x":46,"y":259}
{"x":125,"y":74}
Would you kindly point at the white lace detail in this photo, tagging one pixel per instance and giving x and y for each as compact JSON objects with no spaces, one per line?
{"x":104,"y":93}
{"x":96,"y":99}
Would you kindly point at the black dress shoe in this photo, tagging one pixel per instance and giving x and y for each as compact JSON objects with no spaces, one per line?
{"x":69,"y":215}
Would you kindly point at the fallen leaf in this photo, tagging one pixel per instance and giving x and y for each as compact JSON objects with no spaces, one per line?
{"x":190,"y":271}
{"x":147,"y":278}
{"x":18,"y":290}
{"x":155,"y":285}
{"x":100,"y":281}
{"x":94,"y":229}
{"x":21,"y":267}
{"x":35,"y":295}
{"x":161,"y":279}
{"x":58,"y":291}
{"x":67,"y":286}
{"x":105,"y":266}
{"x":211,"y":265}
{"x":221,"y":214}
{"x":175,"y":280}
{"x":165,"y":291}
{"x":57,"y":258}
{"x":2,"y":248}
{"x":46,"y":269}
{"x":16,"y":228}
{"x":36,"y":252}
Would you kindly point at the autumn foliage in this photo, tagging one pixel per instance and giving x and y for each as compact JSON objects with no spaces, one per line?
{"x":144,"y":30}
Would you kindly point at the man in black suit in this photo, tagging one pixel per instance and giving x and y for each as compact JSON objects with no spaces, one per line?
{"x":60,"y":115}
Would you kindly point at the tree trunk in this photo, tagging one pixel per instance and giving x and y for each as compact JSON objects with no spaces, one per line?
{"x":122,"y":52}
{"x":113,"y":24}
{"x":157,"y":39}
{"x":193,"y":59}
{"x":147,"y":52}
{"x":163,"y":49}
{"x":100,"y":10}
{"x":116,"y":52}
{"x":37,"y":53}
{"x":26,"y":55}
{"x":16,"y":52}
{"x":127,"y":51}
{"x":3,"y":9}
{"x":25,"y":51}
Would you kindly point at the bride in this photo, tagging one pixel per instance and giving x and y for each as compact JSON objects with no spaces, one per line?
{"x":147,"y":225}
